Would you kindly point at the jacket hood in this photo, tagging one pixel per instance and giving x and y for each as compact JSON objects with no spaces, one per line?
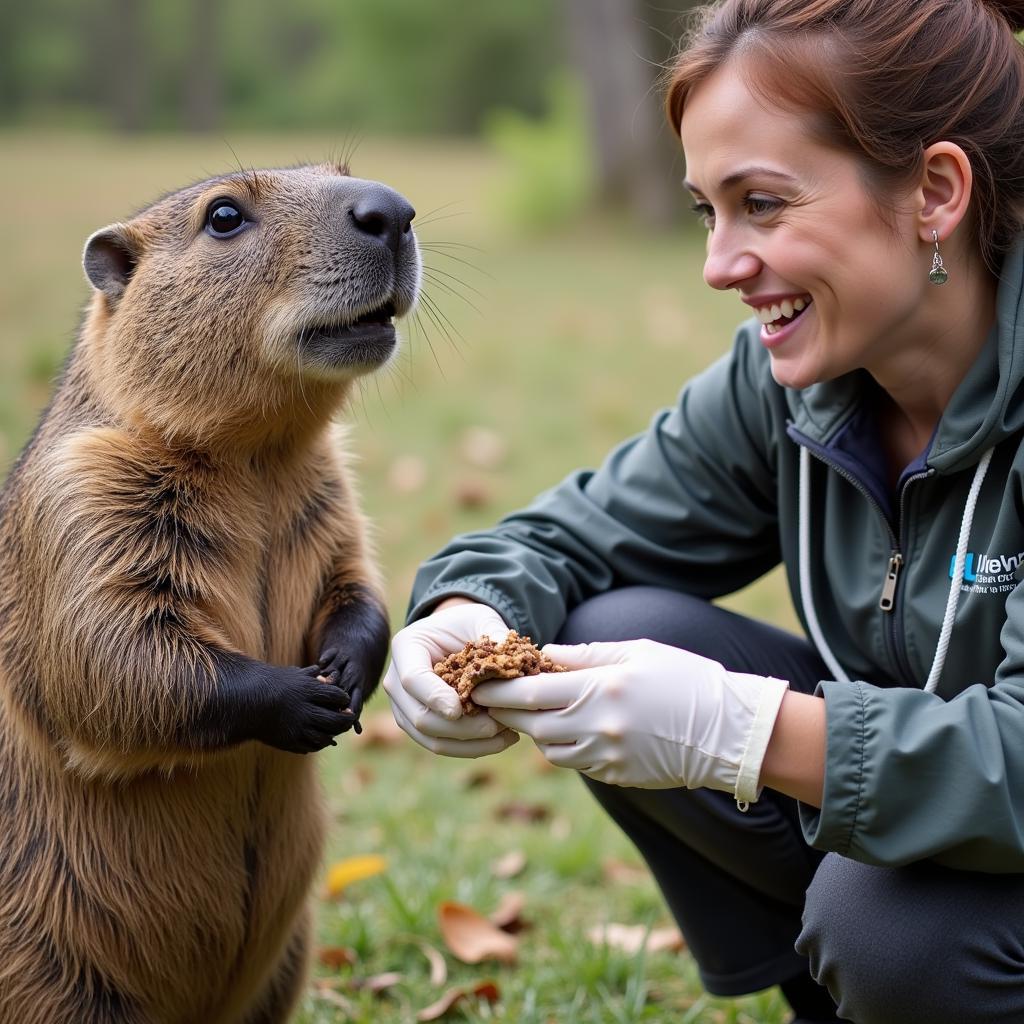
{"x":987,"y":406}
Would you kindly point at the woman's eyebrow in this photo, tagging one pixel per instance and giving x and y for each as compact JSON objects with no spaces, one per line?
{"x":730,"y":180}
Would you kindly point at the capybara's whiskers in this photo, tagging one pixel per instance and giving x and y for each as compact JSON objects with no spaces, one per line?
{"x":429,"y":274}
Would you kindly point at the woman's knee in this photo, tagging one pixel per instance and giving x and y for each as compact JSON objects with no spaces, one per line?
{"x":892,"y":946}
{"x":652,"y":613}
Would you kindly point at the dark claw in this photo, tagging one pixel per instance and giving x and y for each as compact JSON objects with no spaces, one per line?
{"x":355,"y":700}
{"x":352,"y":723}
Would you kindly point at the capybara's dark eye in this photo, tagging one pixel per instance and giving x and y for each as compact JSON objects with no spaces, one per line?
{"x":223,"y":218}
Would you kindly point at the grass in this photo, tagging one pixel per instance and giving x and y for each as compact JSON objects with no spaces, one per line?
{"x":575,"y":339}
{"x":440,"y":837}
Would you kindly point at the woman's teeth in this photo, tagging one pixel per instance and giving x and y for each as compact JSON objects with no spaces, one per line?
{"x":770,"y":315}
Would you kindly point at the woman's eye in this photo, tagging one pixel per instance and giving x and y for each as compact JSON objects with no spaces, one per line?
{"x":762,"y":205}
{"x":705,"y":212}
{"x":224,"y":218}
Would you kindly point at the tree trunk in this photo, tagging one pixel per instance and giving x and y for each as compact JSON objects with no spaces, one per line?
{"x":126,"y":58}
{"x":619,"y":48}
{"x":202,"y":93}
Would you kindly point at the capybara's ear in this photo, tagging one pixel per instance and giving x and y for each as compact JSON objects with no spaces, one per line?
{"x":110,"y":257}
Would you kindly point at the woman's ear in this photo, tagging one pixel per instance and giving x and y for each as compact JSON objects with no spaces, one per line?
{"x":944,"y":191}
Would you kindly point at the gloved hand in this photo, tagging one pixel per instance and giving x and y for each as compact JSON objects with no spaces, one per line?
{"x":425,"y":706}
{"x":643,"y":714}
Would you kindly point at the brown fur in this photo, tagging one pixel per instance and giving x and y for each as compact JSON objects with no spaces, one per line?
{"x":185,"y":494}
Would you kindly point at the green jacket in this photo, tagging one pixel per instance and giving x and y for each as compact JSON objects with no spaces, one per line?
{"x":707,"y":500}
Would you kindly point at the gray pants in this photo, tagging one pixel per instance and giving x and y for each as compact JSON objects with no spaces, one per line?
{"x":912,"y":945}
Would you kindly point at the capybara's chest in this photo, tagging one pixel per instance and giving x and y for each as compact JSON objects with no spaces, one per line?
{"x":289,"y":545}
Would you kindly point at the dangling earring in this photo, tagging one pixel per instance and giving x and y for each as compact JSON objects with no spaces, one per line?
{"x":938,"y":273}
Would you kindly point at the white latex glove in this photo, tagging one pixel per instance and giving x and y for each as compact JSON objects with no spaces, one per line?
{"x":423,"y":704}
{"x":644,"y":714}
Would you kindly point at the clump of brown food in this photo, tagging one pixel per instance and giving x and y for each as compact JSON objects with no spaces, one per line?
{"x":476,"y":662}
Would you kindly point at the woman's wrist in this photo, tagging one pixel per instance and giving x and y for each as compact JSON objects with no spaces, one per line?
{"x":794,"y":762}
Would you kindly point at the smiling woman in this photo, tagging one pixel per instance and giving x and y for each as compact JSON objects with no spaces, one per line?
{"x":840,"y":815}
{"x":799,"y":225}
{"x":879,"y":82}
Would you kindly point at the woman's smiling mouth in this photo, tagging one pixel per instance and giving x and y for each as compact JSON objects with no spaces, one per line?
{"x":778,"y":315}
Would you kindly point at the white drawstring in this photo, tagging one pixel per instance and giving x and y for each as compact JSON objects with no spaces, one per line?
{"x":807,"y":597}
{"x":958,"y":573}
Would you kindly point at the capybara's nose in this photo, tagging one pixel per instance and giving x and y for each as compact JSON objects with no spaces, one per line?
{"x":384,"y":213}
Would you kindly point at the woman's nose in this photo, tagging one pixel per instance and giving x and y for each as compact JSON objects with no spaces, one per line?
{"x":728,"y":261}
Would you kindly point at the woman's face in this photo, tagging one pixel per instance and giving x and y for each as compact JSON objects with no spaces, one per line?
{"x":793,"y":230}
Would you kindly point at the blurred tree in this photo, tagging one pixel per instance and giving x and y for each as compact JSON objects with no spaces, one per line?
{"x":360,"y":65}
{"x":46,"y":64}
{"x":202,"y":97}
{"x":621,"y":48}
{"x":424,"y":66}
{"x":124,"y":55}
{"x":11,"y":19}
{"x":433,"y":67}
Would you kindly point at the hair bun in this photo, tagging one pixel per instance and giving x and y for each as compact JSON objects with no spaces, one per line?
{"x":1012,"y":11}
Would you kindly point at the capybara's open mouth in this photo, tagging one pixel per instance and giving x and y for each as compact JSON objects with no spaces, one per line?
{"x":367,"y":340}
{"x":366,"y":325}
{"x":381,"y":315}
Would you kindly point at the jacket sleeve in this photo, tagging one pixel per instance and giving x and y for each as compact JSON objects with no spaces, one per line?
{"x":691,"y":505}
{"x":911,"y":776}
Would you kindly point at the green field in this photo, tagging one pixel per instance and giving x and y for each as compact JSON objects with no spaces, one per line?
{"x":542,"y":353}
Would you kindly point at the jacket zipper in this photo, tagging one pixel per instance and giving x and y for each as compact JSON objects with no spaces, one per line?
{"x":889,"y":600}
{"x":896,"y":609}
{"x":892,"y":578}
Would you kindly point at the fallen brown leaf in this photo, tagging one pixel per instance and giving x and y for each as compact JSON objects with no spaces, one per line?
{"x":471,"y":937}
{"x":471,"y":493}
{"x":517,"y":810}
{"x":438,"y":968}
{"x":631,"y":938}
{"x":479,"y":778}
{"x":327,"y":994}
{"x":508,"y":866}
{"x":482,"y":990}
{"x":508,"y":913}
{"x":377,"y":983}
{"x":337,"y":956}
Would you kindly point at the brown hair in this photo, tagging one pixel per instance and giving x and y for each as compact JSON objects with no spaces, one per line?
{"x":884,"y":79}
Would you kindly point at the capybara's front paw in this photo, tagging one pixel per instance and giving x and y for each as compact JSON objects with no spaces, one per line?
{"x":305,"y":712}
{"x":355,"y":672}
{"x":354,"y":649}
